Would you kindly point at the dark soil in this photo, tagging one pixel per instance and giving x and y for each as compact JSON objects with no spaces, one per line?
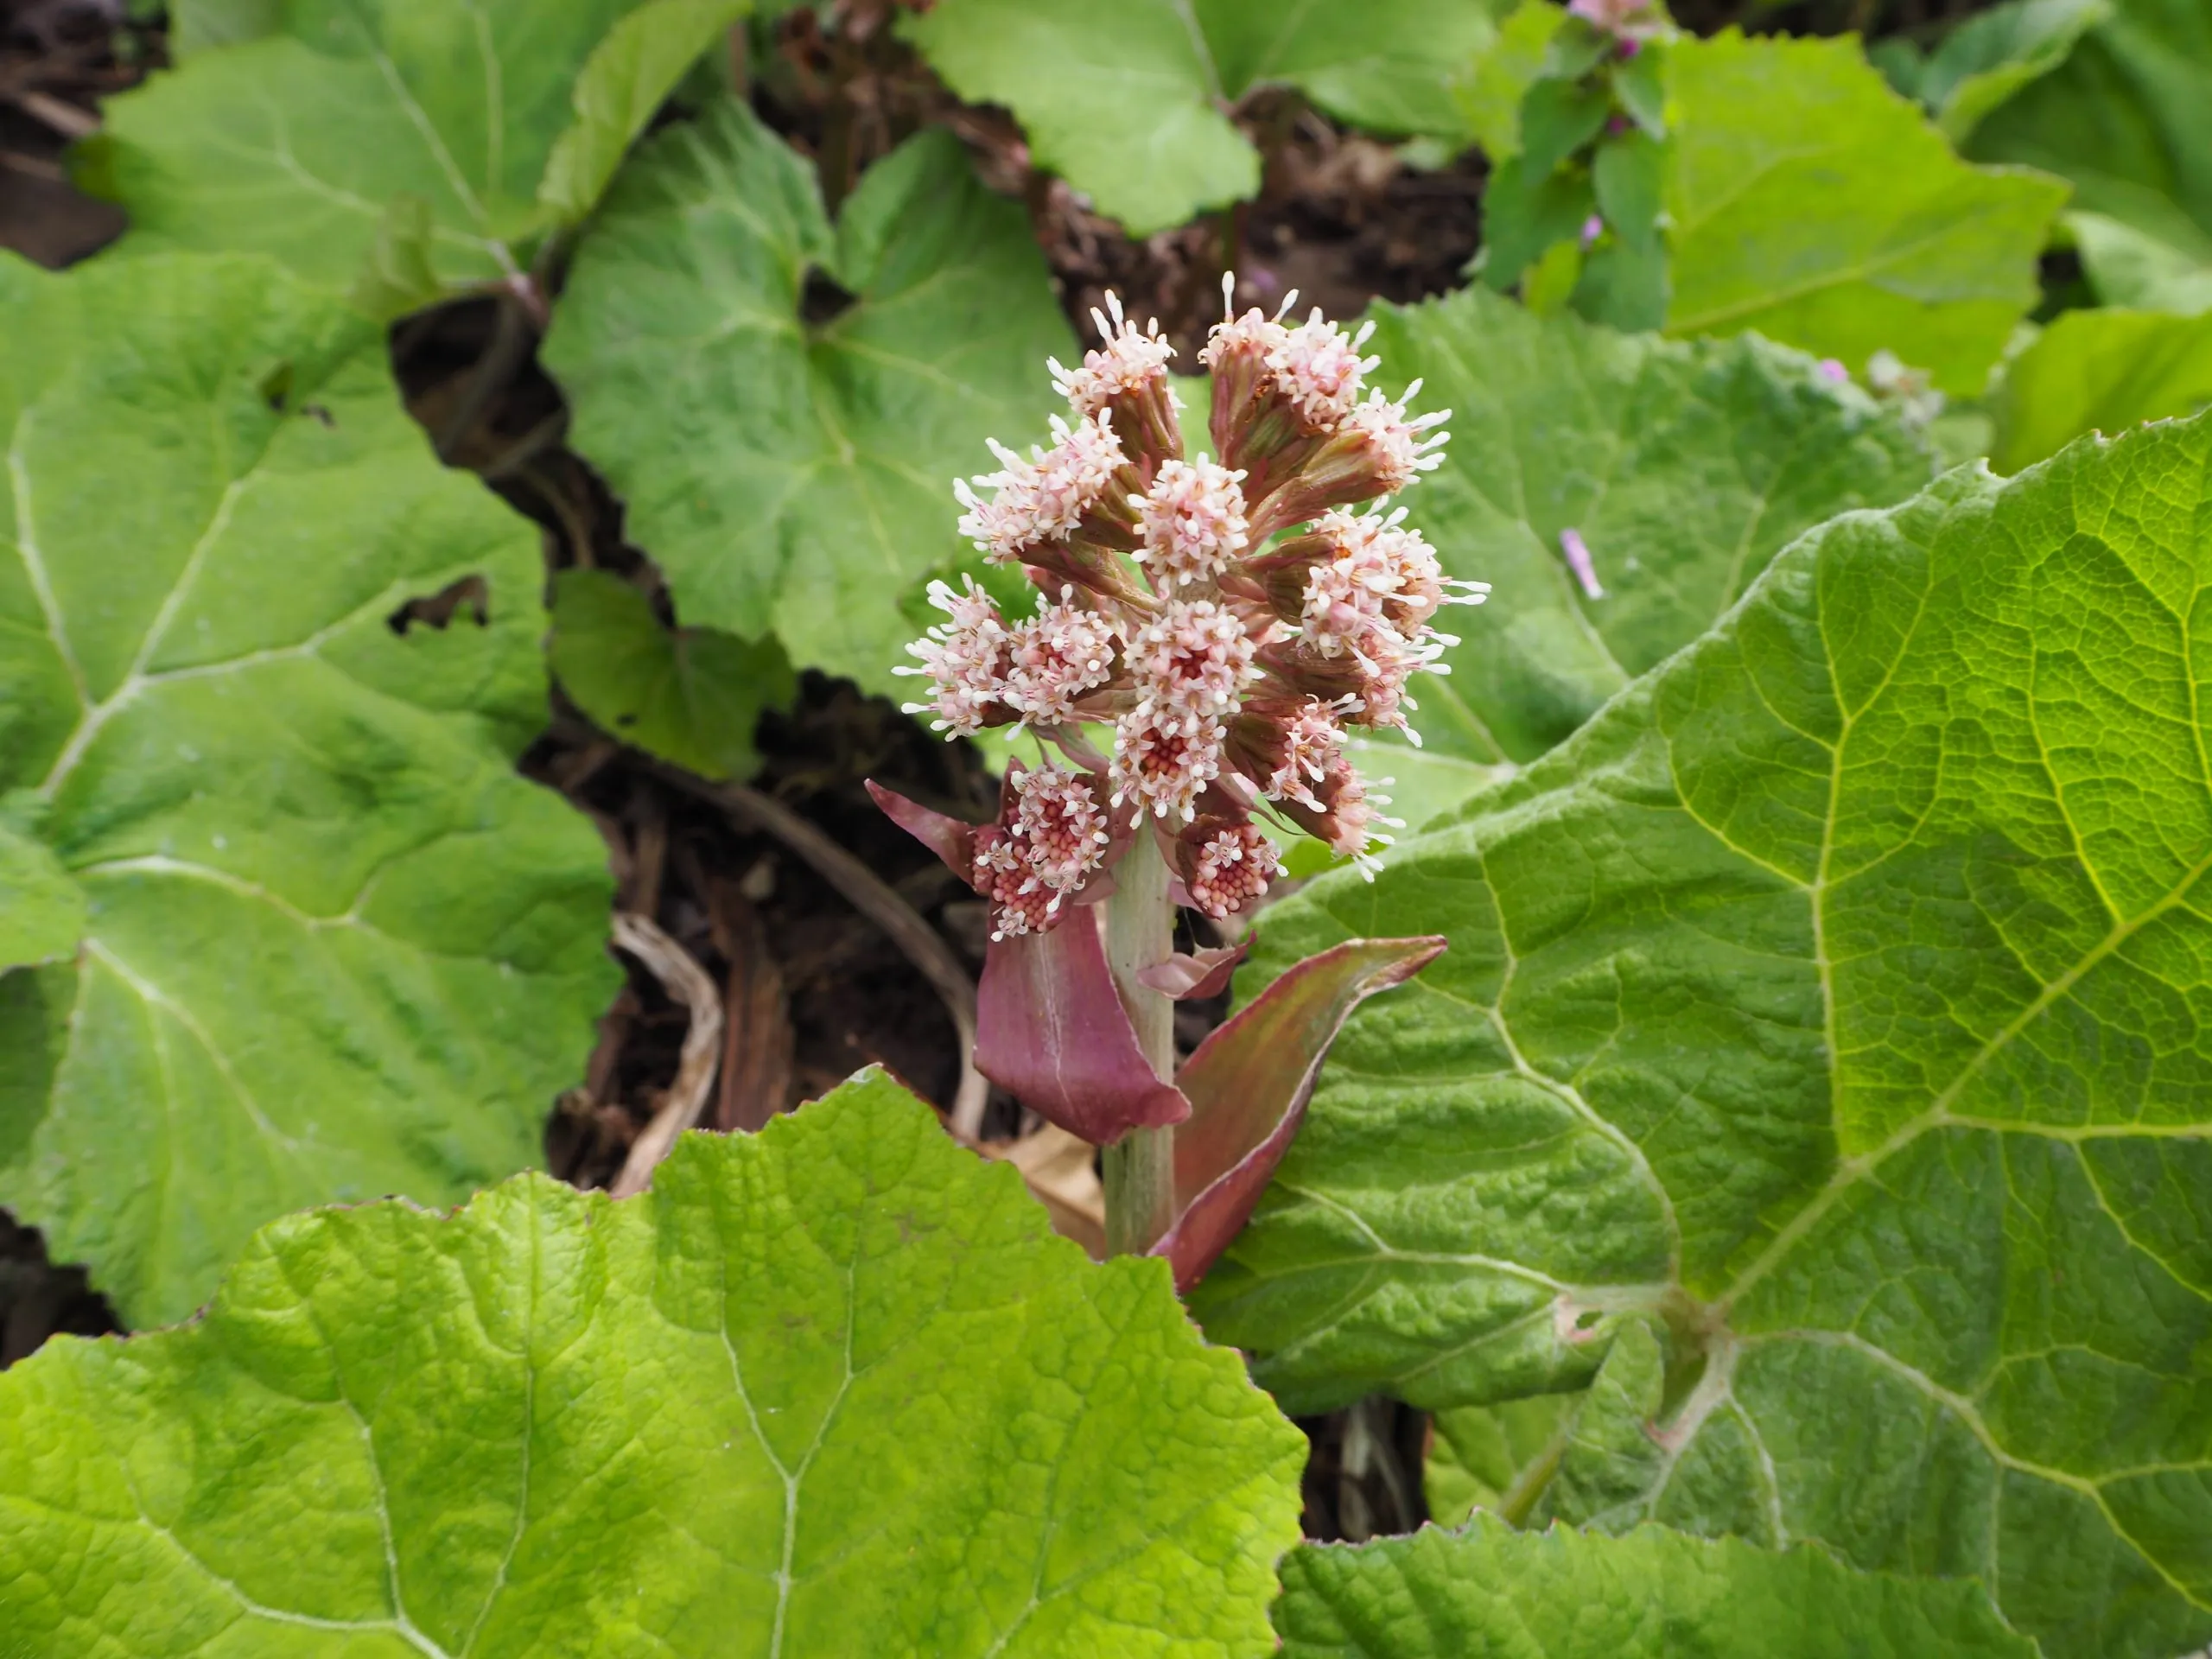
{"x":814,"y":990}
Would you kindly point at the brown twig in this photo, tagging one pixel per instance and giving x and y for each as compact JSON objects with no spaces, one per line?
{"x":686,"y":983}
{"x":573,"y":524}
{"x":511,"y":337}
{"x":757,"y":1036}
{"x":526,"y":448}
{"x":869,"y":894}
{"x":57,"y":116}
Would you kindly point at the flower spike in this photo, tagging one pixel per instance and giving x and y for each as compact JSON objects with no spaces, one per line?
{"x":1208,"y":632}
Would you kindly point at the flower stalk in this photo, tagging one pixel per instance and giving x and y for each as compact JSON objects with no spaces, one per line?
{"x":1139,"y":1170}
{"x":1208,"y":631}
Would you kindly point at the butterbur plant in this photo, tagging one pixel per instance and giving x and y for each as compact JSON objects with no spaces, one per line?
{"x":1228,"y":620}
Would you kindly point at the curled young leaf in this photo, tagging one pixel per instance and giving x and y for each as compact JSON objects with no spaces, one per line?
{"x":947,"y":837}
{"x":1249,"y":1084}
{"x":1204,"y":973}
{"x":1050,"y":1028}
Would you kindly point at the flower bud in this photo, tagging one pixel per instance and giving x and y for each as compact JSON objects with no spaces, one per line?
{"x":1346,"y":817}
{"x":1374,"y":451}
{"x":1056,"y":657}
{"x":1226,"y":864}
{"x":1163,"y":760}
{"x":966,"y":661}
{"x":1256,"y":430}
{"x":1051,"y":837}
{"x":1285,"y":746}
{"x":1126,"y":380}
{"x":1192,"y":522}
{"x":1193,"y":662}
{"x":1077,"y":490}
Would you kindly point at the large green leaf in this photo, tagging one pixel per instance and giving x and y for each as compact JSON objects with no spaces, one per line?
{"x":789,"y":473}
{"x":1836,"y":998}
{"x":692,"y":696}
{"x":2099,"y":372}
{"x":832,"y":1390}
{"x":1128,"y":102}
{"x":316,"y":130}
{"x":331,"y":947}
{"x":1653,"y":1595}
{"x":1807,"y":200}
{"x":1988,"y":57}
{"x":2128,"y":118}
{"x":1684,"y":467}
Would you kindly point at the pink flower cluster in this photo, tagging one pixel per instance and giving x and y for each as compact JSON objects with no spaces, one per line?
{"x":1229,"y":617}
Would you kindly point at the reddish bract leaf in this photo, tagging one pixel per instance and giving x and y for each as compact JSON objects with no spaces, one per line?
{"x":947,"y":837}
{"x":1248,"y":1083}
{"x":1204,"y":974}
{"x":1051,"y":1030}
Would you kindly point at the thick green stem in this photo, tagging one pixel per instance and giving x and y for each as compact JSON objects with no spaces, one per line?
{"x":1140,"y":1172}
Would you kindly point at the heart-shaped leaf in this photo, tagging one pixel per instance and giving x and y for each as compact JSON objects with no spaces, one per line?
{"x":783,"y":408}
{"x":1835,"y":1000}
{"x":1808,"y":201}
{"x":830,"y":1388}
{"x":265,"y":669}
{"x":1683,"y":466}
{"x":1652,"y":1595}
{"x":318,"y":132}
{"x":1127,"y":102}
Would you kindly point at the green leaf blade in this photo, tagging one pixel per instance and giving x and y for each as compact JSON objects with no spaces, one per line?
{"x":1684,"y":466}
{"x":831,"y":1388}
{"x":1860,"y":938}
{"x":1130,"y":103}
{"x":627,"y":77}
{"x":2127,"y":117}
{"x":310,"y":874}
{"x":2101,"y":371}
{"x":1835,"y":219}
{"x":790,"y":476}
{"x":1990,"y":57}
{"x":690,"y":696}
{"x":292,"y":134}
{"x":1123,"y":103}
{"x":45,"y":914}
{"x":1563,"y":1595}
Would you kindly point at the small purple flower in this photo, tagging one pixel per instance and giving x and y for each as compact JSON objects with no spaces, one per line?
{"x":1579,"y":561}
{"x":1592,"y":228}
{"x":1831,"y":369}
